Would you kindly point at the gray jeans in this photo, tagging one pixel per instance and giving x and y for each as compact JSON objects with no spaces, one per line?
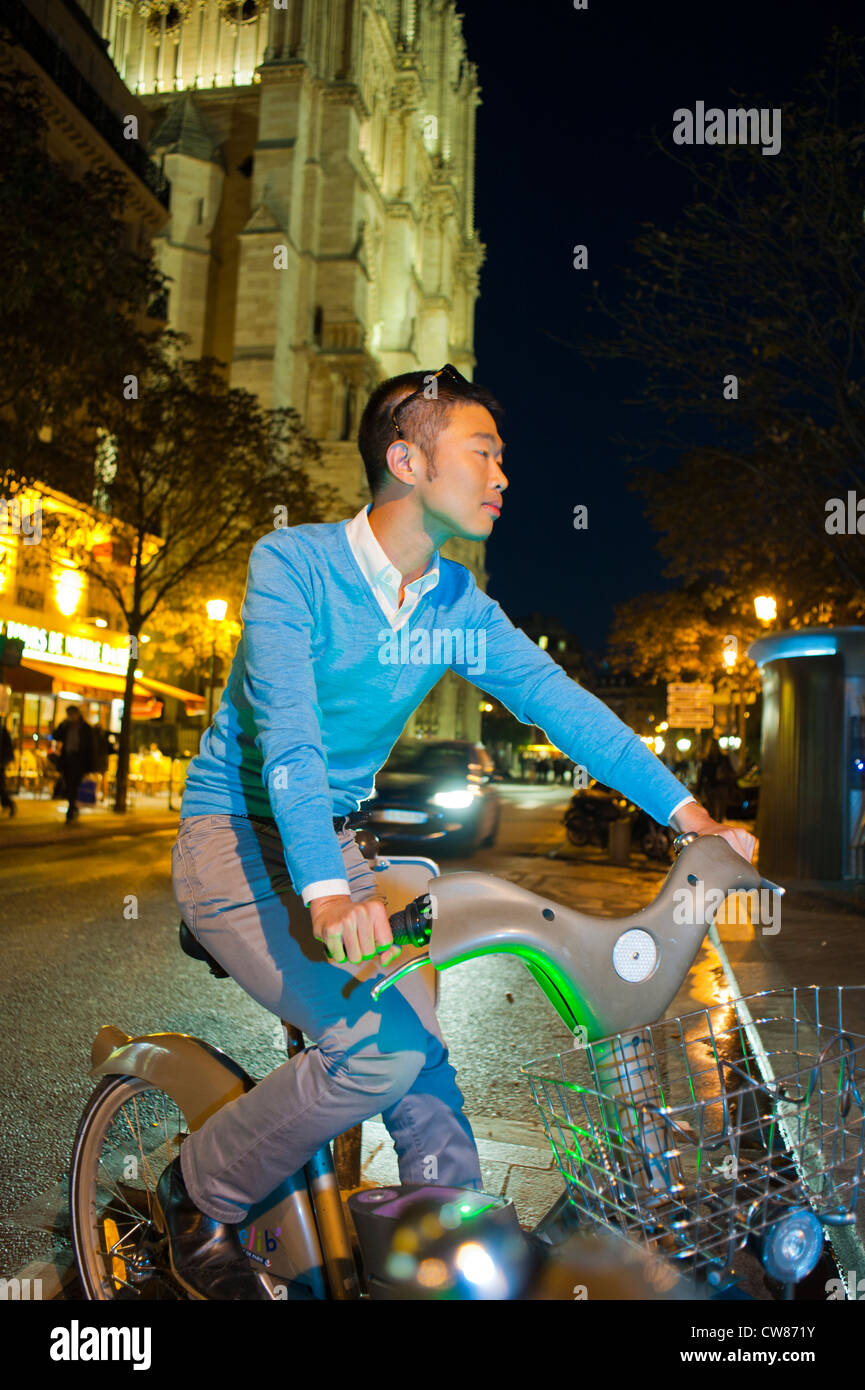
{"x":234,"y":893}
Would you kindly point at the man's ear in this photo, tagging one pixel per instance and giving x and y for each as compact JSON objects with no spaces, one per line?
{"x":401,"y":463}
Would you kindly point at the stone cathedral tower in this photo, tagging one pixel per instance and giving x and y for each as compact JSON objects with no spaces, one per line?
{"x":342,"y":133}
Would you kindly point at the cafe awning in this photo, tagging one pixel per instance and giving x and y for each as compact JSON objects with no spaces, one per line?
{"x":85,"y":675}
{"x":194,"y":704}
{"x":144,"y":687}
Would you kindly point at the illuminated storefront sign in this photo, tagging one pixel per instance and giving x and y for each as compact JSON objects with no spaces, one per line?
{"x":69,"y":651}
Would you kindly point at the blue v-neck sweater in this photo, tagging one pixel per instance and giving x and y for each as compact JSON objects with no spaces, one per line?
{"x":321,"y":688}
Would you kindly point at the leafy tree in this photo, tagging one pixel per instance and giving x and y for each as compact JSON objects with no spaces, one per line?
{"x":205,"y":469}
{"x":75,"y":291}
{"x":683,"y":635}
{"x":182,"y":636}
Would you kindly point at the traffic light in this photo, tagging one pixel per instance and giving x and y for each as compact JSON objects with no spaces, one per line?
{"x":10,"y":651}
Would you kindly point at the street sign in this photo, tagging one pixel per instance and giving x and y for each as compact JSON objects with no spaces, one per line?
{"x":690,"y":706}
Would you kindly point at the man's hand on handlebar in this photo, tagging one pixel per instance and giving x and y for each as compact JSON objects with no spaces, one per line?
{"x":353,"y":931}
{"x":696,"y":817}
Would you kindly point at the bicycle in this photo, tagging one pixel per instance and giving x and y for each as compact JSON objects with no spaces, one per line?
{"x":636,"y":1112}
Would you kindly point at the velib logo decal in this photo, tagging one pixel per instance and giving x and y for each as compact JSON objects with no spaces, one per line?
{"x":77,"y":1343}
{"x":739,"y":126}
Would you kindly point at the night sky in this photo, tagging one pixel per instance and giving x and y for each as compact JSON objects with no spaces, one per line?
{"x":565,"y":155}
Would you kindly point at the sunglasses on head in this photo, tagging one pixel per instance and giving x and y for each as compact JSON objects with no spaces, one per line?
{"x":448,"y":372}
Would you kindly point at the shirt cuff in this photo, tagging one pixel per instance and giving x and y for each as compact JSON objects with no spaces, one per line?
{"x":684,"y":802}
{"x":325,"y":888}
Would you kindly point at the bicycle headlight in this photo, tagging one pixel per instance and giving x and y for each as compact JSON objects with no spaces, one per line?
{"x":790,"y":1247}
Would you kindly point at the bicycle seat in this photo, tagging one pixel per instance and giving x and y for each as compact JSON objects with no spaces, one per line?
{"x":195,"y":949}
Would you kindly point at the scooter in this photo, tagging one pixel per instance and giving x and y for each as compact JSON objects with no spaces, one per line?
{"x":591,"y":812}
{"x":724,"y":1140}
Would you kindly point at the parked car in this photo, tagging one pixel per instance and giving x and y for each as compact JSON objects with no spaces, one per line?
{"x":435,"y":794}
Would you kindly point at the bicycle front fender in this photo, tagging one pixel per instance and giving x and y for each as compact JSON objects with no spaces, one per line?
{"x":197,"y":1076}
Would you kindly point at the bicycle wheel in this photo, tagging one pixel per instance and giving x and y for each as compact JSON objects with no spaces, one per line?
{"x":129,"y":1132}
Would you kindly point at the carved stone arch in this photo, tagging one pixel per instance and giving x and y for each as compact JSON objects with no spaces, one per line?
{"x":169,"y":15}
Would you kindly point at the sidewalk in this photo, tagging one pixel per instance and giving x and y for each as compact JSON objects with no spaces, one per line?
{"x":516,"y":1161}
{"x":43,"y":822}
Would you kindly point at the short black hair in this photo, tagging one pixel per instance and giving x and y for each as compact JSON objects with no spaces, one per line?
{"x":422,"y":421}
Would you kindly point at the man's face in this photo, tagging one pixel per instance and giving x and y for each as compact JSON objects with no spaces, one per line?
{"x":461,"y":492}
{"x":74,"y":715}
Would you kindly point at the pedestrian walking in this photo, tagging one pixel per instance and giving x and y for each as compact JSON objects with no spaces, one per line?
{"x":77,"y":755}
{"x":102,"y":744}
{"x":715,"y":780}
{"x":7,"y":753}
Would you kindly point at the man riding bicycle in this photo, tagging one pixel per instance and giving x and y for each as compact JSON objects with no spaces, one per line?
{"x":314,"y":703}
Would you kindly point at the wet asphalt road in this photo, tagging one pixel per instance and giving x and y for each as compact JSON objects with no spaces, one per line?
{"x":72,"y":961}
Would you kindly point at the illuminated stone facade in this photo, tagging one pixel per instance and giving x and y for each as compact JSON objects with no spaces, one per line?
{"x":322,"y":237}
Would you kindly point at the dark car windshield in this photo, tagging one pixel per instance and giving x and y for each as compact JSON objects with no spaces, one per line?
{"x":429,"y":760}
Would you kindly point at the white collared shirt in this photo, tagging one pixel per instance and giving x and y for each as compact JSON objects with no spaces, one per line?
{"x":385,"y":581}
{"x":383,"y":577}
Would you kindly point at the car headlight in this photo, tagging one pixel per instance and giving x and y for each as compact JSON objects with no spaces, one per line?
{"x":454,"y":801}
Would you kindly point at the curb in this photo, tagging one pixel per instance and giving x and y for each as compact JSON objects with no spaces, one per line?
{"x":66,"y":835}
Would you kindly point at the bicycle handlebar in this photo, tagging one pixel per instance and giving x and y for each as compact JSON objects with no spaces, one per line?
{"x":413,"y":925}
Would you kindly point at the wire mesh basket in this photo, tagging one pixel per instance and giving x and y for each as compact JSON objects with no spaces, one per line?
{"x":697,"y":1132}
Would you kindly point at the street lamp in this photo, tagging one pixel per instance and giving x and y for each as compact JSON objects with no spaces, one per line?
{"x":766,"y":608}
{"x":68,"y":586}
{"x":216,"y":610}
{"x":729,"y":657}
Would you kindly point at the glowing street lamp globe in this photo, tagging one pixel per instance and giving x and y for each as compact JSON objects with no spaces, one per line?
{"x":216,"y":609}
{"x":766,"y":608}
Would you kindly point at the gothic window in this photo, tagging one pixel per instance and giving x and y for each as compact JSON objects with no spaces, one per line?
{"x":317,"y":325}
{"x":240,"y":11}
{"x":169,"y":14}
